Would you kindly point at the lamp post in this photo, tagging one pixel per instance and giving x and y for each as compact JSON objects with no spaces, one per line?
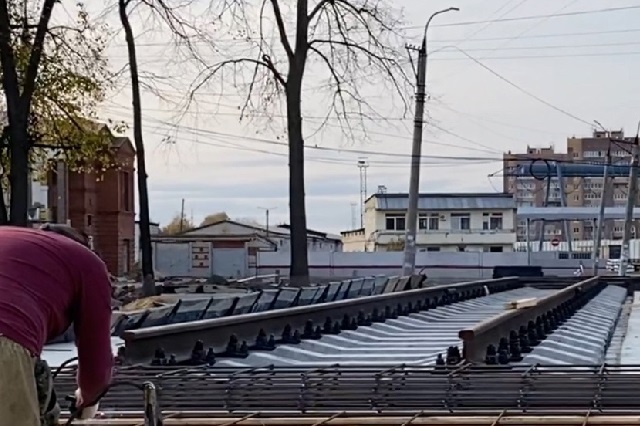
{"x":416,"y":152}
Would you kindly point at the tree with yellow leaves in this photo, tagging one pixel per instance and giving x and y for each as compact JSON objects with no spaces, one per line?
{"x":54,"y":76}
{"x":214,"y":218}
{"x":178,"y":225}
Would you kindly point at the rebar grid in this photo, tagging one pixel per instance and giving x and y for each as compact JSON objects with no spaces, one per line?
{"x":447,"y":390}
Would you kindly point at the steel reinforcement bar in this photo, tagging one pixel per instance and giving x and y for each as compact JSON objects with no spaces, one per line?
{"x":515,"y":331}
{"x":243,"y":332}
{"x":360,"y":419}
{"x":461,"y":390}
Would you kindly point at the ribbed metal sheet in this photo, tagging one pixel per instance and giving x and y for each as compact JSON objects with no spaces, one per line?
{"x":583,"y":338}
{"x":630,"y":353}
{"x":416,"y":339}
{"x":488,"y":201}
{"x":619,"y":334}
{"x":57,"y":353}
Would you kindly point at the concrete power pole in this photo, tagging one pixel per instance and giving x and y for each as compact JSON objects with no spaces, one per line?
{"x":409,"y":263}
{"x":600,"y":225}
{"x":631,"y":202}
{"x":363,"y":165}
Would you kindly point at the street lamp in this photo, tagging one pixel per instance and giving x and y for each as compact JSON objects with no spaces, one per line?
{"x":416,"y":152}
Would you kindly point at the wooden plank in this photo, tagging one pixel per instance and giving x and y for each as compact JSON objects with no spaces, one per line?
{"x":522,"y":303}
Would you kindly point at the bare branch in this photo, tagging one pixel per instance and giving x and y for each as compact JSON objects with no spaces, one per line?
{"x":281,"y":29}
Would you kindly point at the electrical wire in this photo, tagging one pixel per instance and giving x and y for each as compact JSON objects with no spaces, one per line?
{"x":526,"y":92}
{"x":431,"y":41}
{"x":534,"y":17}
{"x":531,"y":27}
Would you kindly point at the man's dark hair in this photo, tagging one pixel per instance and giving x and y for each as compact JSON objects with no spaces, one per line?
{"x":67,"y":231}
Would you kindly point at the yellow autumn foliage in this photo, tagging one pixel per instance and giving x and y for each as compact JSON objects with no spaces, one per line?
{"x":73,"y":78}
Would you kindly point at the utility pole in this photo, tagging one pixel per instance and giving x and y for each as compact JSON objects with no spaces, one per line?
{"x":600,"y":225}
{"x":182,"y":216}
{"x":353,"y":215}
{"x":363,"y":165}
{"x":631,"y":202}
{"x":416,"y":152}
{"x":266,"y":213}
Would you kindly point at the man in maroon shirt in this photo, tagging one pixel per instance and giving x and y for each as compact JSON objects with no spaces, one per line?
{"x":49,"y":278}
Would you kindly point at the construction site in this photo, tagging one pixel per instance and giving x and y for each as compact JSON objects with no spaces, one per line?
{"x":384,"y":351}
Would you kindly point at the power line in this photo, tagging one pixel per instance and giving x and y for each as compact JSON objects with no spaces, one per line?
{"x":359,"y":152}
{"x":487,"y":149}
{"x":214,"y":134}
{"x":534,"y":25}
{"x":564,"y":55}
{"x":532,"y":17}
{"x":526,"y":92}
{"x":488,"y":24}
{"x":552,"y":46}
{"x":434,"y":41}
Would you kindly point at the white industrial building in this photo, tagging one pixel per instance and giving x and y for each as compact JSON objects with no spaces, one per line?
{"x":155,"y":230}
{"x":465,"y":222}
{"x":228,"y":248}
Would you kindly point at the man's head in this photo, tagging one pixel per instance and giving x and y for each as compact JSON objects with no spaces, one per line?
{"x":67,"y":231}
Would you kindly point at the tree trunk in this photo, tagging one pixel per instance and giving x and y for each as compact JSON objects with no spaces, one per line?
{"x":148,"y":281}
{"x":299,"y":272}
{"x":19,"y":174}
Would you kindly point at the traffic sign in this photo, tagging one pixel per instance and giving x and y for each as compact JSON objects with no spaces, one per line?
{"x":555,"y":242}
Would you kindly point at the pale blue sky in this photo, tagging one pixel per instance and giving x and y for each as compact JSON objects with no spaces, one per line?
{"x":591,"y":76}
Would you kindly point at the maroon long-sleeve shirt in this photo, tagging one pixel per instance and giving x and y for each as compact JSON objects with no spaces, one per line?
{"x":48,"y":281}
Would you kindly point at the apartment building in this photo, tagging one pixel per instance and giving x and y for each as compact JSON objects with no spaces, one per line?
{"x":446,"y":222}
{"x":588,"y":190}
{"x":530,"y":190}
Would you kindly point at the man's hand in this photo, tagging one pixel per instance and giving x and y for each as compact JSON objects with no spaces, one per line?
{"x":85,"y":412}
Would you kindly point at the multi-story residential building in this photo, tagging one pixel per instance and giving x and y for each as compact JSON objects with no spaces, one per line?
{"x":446,"y":222}
{"x":530,"y":191}
{"x":588,"y":190}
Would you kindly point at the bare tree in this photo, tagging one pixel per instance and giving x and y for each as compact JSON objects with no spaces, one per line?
{"x":183,"y":30}
{"x":353,"y":40}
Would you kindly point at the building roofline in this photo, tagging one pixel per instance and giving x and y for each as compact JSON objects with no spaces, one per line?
{"x":444,"y":195}
{"x":348,"y":231}
{"x":272,"y":230}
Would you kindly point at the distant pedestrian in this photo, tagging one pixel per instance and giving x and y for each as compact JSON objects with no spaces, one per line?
{"x":49,"y":279}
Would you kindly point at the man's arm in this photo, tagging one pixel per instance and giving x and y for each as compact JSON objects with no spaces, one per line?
{"x":93,"y":330}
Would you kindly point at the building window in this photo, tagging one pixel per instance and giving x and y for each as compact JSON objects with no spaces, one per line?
{"x":432,"y":249}
{"x":125,"y":192}
{"x":460,"y":221}
{"x":429,"y":222}
{"x":492,"y":221}
{"x":395,"y":222}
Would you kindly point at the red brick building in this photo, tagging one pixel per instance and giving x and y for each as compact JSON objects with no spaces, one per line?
{"x":103,"y":207}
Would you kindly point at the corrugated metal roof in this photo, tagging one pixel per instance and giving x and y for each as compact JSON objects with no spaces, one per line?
{"x":414,"y":339}
{"x":583,"y":339}
{"x":480,"y":201}
{"x":572,"y":213}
